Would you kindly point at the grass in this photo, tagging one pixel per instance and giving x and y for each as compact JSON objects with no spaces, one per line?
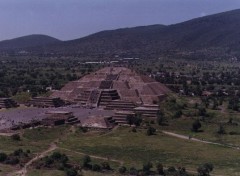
{"x":35,"y":172}
{"x":5,"y":169}
{"x":134,"y":149}
{"x":137,"y":148}
{"x":35,"y":140}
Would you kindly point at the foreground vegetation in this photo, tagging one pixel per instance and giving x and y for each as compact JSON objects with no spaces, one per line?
{"x":123,"y":147}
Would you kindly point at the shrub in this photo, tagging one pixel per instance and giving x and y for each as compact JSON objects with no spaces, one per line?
{"x":71,"y":172}
{"x":151,"y":131}
{"x":205,"y":169}
{"x":171,"y":169}
{"x":16,"y":137}
{"x":196,"y":125}
{"x":18,"y":152}
{"x":106,"y":166}
{"x":86,"y":161}
{"x":133,"y":171}
{"x":160,"y":118}
{"x":221,"y":130}
{"x":82,"y":129}
{"x":159,"y":167}
{"x":147,"y":167}
{"x":3,"y":157}
{"x":134,"y":130}
{"x":96,"y":168}
{"x":12,"y":160}
{"x":177,"y":114}
{"x":48,"y":161}
{"x":134,"y":119}
{"x":122,"y":170}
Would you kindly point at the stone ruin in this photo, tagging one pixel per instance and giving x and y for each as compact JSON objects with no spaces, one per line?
{"x":113,"y":86}
{"x":7,"y":103}
{"x":116,"y":88}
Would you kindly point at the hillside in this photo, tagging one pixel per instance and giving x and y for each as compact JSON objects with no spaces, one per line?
{"x":27,"y":41}
{"x":209,"y":36}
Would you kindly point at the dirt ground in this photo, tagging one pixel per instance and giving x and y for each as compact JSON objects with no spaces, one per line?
{"x":15,"y":116}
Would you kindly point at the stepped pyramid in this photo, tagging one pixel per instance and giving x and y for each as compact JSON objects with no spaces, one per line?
{"x":113,"y":88}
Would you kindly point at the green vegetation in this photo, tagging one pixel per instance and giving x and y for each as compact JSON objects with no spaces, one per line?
{"x":156,"y":148}
{"x":23,"y":77}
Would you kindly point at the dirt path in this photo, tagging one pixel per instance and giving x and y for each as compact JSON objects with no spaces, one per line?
{"x":198,"y":140}
{"x":94,"y":156}
{"x":6,"y":134}
{"x":23,"y":171}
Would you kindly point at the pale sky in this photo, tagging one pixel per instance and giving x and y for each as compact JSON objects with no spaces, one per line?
{"x":71,"y":19}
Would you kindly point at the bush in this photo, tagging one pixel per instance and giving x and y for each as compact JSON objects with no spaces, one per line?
{"x":151,"y":131}
{"x":12,"y":160}
{"x":106,"y":166}
{"x":205,"y":169}
{"x":133,"y":171}
{"x":57,"y":156}
{"x":82,"y":129}
{"x":159,"y":167}
{"x":18,"y":152}
{"x":177,"y":114}
{"x":221,"y":130}
{"x":171,"y":169}
{"x":71,"y":172}
{"x":134,"y":119}
{"x":134,"y":130}
{"x":122,"y":170}
{"x":16,"y":137}
{"x":86,"y":161}
{"x":147,"y":167}
{"x":160,"y":118}
{"x":233,"y":133}
{"x":96,"y":168}
{"x":196,"y":125}
{"x":48,"y":161}
{"x":202,"y":112}
{"x":3,"y":157}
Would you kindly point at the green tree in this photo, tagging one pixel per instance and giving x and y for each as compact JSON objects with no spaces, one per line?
{"x":205,"y":169}
{"x":196,"y":125}
{"x":221,"y":130}
{"x":160,"y":118}
{"x":122,"y":170}
{"x":159,"y":168}
{"x":151,"y":131}
{"x":106,"y":166}
{"x":3,"y":157}
{"x":86,"y":161}
{"x":147,"y":167}
{"x":96,"y":168}
{"x":71,"y":172}
{"x":16,"y":137}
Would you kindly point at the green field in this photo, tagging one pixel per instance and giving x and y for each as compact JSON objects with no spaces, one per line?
{"x":134,"y":149}
{"x":129,"y":148}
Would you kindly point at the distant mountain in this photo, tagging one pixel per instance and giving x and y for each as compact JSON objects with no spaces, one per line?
{"x":27,"y":41}
{"x":210,"y":36}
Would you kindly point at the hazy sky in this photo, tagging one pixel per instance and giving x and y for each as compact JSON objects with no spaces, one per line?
{"x":70,"y":19}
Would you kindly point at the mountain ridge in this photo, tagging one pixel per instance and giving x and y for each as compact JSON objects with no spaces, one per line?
{"x":27,"y":41}
{"x":209,"y":36}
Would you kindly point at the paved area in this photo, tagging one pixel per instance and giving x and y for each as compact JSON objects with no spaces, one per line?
{"x":15,"y":116}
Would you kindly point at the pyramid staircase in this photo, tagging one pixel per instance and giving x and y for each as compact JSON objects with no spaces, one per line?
{"x":107,"y":96}
{"x":120,"y":117}
{"x":7,"y":103}
{"x":147,"y":111}
{"x":120,"y":105}
{"x":46,"y":102}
